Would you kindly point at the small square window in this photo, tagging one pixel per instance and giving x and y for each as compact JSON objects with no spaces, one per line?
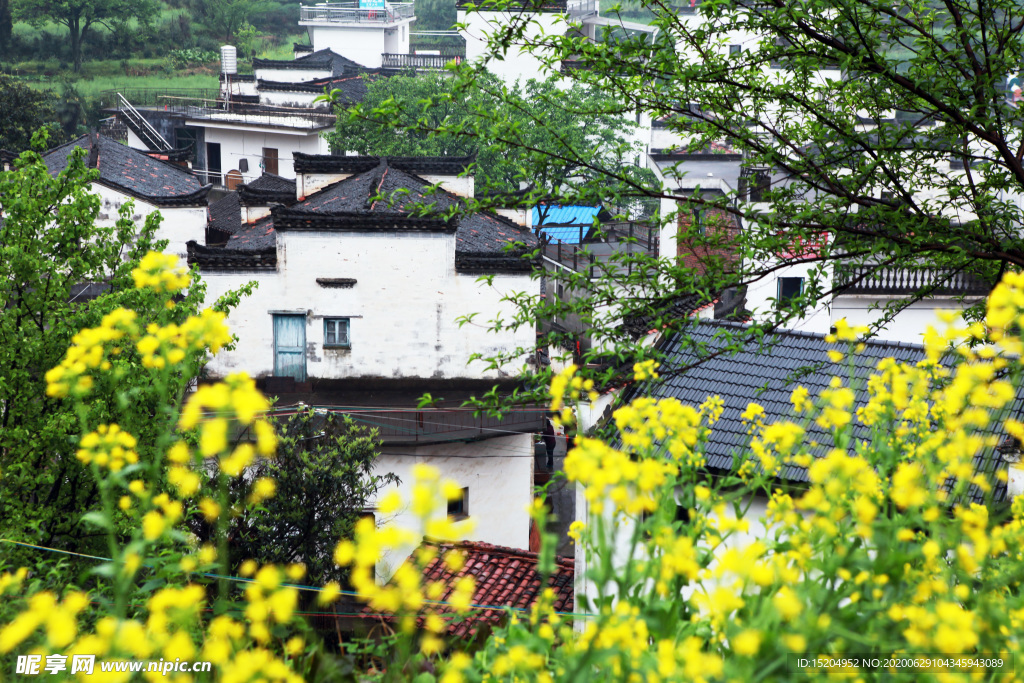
{"x":336,"y":333}
{"x":459,"y":507}
{"x":789,"y":288}
{"x":735,"y":49}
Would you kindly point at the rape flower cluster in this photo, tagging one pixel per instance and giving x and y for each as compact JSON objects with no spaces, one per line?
{"x":108,"y":446}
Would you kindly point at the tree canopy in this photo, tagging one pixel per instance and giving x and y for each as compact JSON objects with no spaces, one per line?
{"x":532,"y":134}
{"x":871,"y":139}
{"x":23,"y":111}
{"x":81,"y":16}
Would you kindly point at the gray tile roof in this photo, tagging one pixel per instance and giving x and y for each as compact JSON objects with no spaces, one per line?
{"x":133,"y":172}
{"x":766,"y":374}
{"x":226,"y":214}
{"x":270,"y":182}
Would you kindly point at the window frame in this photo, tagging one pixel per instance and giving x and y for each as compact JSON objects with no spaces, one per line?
{"x":783,"y":300}
{"x":459,"y":507}
{"x":348,"y":333}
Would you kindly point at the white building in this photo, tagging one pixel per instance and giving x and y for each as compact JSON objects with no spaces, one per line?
{"x":359,"y":304}
{"x":152,"y":183}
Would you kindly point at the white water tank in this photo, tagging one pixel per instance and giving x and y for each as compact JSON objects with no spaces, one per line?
{"x":228,"y":59}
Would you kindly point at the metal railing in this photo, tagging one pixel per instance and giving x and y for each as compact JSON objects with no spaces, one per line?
{"x":262,"y":115}
{"x":581,"y":8}
{"x":609,"y":254}
{"x":425,"y":62}
{"x":894,"y":281}
{"x":147,"y":97}
{"x":352,"y":13}
{"x":150,"y":135}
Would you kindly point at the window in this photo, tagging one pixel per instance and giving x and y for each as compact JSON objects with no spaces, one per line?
{"x":789,"y":288}
{"x":336,"y":333}
{"x":735,"y":49}
{"x":270,"y":160}
{"x":459,"y":507}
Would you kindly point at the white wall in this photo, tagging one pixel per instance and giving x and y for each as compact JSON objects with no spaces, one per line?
{"x":403,"y":308}
{"x":362,"y":44}
{"x":908,"y":326}
{"x":516,"y":64}
{"x":291,"y":75}
{"x":499,"y":474}
{"x":817,"y":319}
{"x":239,"y":143}
{"x":180,"y":224}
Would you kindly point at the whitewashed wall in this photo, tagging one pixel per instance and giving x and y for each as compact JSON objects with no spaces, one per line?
{"x":517,"y":64}
{"x":291,"y":75}
{"x":239,"y":143}
{"x":908,"y":326}
{"x":403,"y":308}
{"x":499,"y":474}
{"x":288,"y":98}
{"x":362,"y":44}
{"x":758,"y":507}
{"x":180,"y":224}
{"x":817,"y":320}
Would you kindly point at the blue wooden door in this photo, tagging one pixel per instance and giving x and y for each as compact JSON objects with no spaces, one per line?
{"x":290,"y":346}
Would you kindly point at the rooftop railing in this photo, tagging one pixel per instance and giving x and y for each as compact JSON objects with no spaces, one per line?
{"x":418,"y":62}
{"x":352,"y":13}
{"x":897,"y":281}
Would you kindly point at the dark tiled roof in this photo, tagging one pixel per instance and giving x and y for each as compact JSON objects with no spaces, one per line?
{"x":7,"y":156}
{"x":254,"y":236}
{"x":504,"y":577}
{"x":482,"y":239}
{"x":226,"y":214}
{"x":217,"y":258}
{"x":334,"y":163}
{"x":766,"y":374}
{"x":271,"y":182}
{"x":325,"y":59}
{"x":267,"y":189}
{"x":133,"y":172}
{"x":478,"y":234}
{"x":674,"y":309}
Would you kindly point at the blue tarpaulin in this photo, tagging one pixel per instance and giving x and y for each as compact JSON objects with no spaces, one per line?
{"x":564,"y":222}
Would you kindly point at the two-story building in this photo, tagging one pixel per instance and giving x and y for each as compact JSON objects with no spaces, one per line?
{"x":365,"y":303}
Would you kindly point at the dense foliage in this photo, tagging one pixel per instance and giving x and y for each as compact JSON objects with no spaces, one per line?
{"x":881,"y":556}
{"x":324,"y":482}
{"x":534,"y":134}
{"x":25,"y":111}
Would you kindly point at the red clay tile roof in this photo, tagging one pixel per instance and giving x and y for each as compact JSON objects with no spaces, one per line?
{"x":504,"y":577}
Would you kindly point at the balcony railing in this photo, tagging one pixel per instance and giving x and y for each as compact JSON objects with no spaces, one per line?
{"x":896,"y":281}
{"x":352,"y":13}
{"x":610,"y":253}
{"x":418,"y":62}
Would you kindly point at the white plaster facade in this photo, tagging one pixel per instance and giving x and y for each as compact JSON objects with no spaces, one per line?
{"x":518,"y":63}
{"x":240,"y":140}
{"x":498,"y":473}
{"x":403,"y":308}
{"x":180,"y":224}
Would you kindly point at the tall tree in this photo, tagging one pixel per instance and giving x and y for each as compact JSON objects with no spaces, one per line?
{"x":81,"y":16}
{"x":60,"y":272}
{"x":533,"y":133}
{"x":881,"y":134}
{"x":324,"y":480}
{"x":24,"y":110}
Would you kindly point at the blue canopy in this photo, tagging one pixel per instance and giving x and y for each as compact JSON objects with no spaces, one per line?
{"x":564,"y":223}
